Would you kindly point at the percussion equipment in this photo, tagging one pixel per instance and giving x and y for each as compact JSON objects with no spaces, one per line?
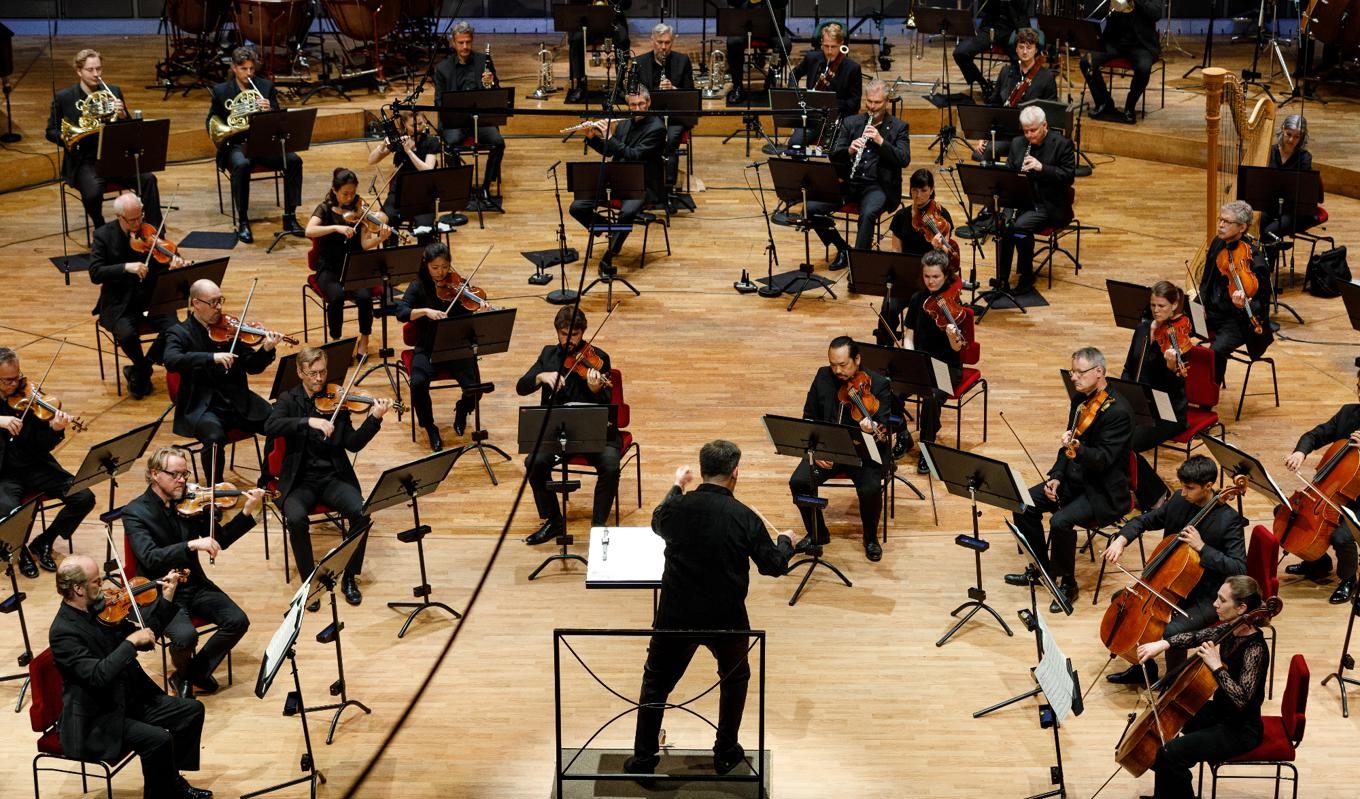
{"x":196,"y":16}
{"x":364,"y":20}
{"x":271,"y":25}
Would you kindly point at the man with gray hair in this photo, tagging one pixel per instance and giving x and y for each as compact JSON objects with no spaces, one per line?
{"x":1232,"y":317}
{"x":663,"y":70}
{"x":464,"y":71}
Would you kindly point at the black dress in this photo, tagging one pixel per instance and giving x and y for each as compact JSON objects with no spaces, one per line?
{"x":331,"y":250}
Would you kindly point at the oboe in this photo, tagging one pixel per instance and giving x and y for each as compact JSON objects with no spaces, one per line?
{"x":863,"y":145}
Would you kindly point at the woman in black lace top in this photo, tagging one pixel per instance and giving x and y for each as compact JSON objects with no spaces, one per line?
{"x":1230,"y":723}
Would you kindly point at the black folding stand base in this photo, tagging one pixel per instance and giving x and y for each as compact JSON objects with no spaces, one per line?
{"x":422,"y":591}
{"x":812,"y":558}
{"x":295,"y":706}
{"x":15,"y":604}
{"x":331,"y":634}
{"x":562,"y":541}
{"x":1346,"y":662}
{"x":565,"y":487}
{"x":977,"y":595}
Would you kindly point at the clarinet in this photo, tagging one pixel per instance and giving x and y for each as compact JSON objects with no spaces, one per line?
{"x":864,"y":145}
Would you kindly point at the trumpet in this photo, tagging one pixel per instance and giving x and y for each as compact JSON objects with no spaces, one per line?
{"x":545,"y":74}
{"x":591,"y":122}
{"x":489,"y":71}
{"x":717,"y":73}
{"x":96,"y":111}
{"x":239,"y":110}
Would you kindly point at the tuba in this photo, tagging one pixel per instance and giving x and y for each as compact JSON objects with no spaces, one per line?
{"x":545,"y":73}
{"x":96,"y":111}
{"x":239,"y":110}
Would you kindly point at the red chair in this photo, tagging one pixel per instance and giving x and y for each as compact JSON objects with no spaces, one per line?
{"x":233,"y":436}
{"x":1123,"y":68}
{"x":278,"y":450}
{"x":1263,"y":558}
{"x":1201,"y":395}
{"x":312,"y":293}
{"x":577,"y":464}
{"x":1280,"y":740}
{"x":145,"y":332}
{"x":1109,"y":531}
{"x":850,"y":213}
{"x":44,"y":714}
{"x":971,"y":383}
{"x":441,"y":379}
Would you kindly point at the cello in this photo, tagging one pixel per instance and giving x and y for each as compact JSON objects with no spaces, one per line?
{"x":1304,"y":526}
{"x":1140,"y":613}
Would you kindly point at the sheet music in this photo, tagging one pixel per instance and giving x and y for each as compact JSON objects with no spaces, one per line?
{"x":871,"y":446}
{"x":1197,"y":324}
{"x":1162,"y":401}
{"x":1051,"y":673}
{"x":942,"y":379}
{"x":1020,"y":488}
{"x":624,"y":555}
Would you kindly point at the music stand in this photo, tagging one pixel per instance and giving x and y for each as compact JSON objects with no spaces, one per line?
{"x":804,"y":110}
{"x":339,"y":356}
{"x":169,"y":290}
{"x":1346,"y":662}
{"x":281,"y":646}
{"x":470,"y":110}
{"x":894,"y":276}
{"x":679,"y":107}
{"x":472,"y":336}
{"x":997,"y":188}
{"x":992,"y":124}
{"x":749,"y":23}
{"x":279,"y":133}
{"x":407,"y":483}
{"x":601,"y":183}
{"x":910,"y":372}
{"x":387,"y":267}
{"x":1234,"y":461}
{"x":569,"y":18}
{"x":944,"y":23}
{"x":434,"y":190}
{"x":106,"y":461}
{"x":800,"y":182}
{"x":566,"y":430}
{"x":7,"y":69}
{"x":1288,"y":193}
{"x":132,"y":148}
{"x":1129,"y":302}
{"x":324,"y":578}
{"x":813,"y":441}
{"x":14,"y":530}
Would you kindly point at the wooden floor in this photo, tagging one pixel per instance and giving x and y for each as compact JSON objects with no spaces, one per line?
{"x":859,"y":701}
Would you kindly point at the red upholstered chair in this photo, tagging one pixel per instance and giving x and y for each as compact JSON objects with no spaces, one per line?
{"x":44,"y":714}
{"x":577,"y":464}
{"x":1281,"y":739}
{"x":1122,"y":68}
{"x":1263,"y":558}
{"x":971,"y":383}
{"x":442,"y":378}
{"x":257,"y":172}
{"x":145,"y":332}
{"x":312,"y":293}
{"x":1201,"y":396}
{"x":233,"y":436}
{"x":1109,"y":531}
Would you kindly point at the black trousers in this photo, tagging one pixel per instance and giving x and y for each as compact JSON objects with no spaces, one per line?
{"x":583,"y":211}
{"x":974,"y":46}
{"x":423,"y":371}
{"x":541,"y":470}
{"x":125,"y":333}
{"x":1059,"y":554}
{"x":1017,"y":241}
{"x":868,"y":480}
{"x":673,"y":134}
{"x":53,"y":481}
{"x":576,"y":49}
{"x":91,"y":186}
{"x":165,"y":732}
{"x":1230,"y":332}
{"x":931,"y":403}
{"x":1146,"y":437}
{"x":872,"y":202}
{"x":1201,"y":740}
{"x":239,"y":166}
{"x":212,"y":429}
{"x":336,"y":295}
{"x":487,"y":136}
{"x":340,"y":497}
{"x":1142,"y":61}
{"x":212,"y":604}
{"x":667,"y":659}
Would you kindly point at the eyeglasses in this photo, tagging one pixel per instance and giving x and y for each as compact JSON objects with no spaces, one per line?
{"x":217,"y":303}
{"x":175,"y":477}
{"x":15,"y":379}
{"x":1080,"y":372}
{"x":317,"y":375}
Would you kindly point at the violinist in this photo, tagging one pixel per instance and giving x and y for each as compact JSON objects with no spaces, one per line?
{"x":124,"y":290}
{"x":829,"y":68}
{"x":109,"y":705}
{"x":316,"y":466}
{"x":214,"y":389}
{"x":1344,"y":425}
{"x":1219,"y":538}
{"x":925,"y":333}
{"x":1130,"y":33}
{"x":162,"y":539}
{"x":1230,"y":723}
{"x":415,"y":151}
{"x":761,"y":59}
{"x":876,"y":148}
{"x":1149,"y":363}
{"x":27,"y":466}
{"x":997,"y":21}
{"x":1089,"y":481}
{"x":1228,"y":311}
{"x":587,"y":383}
{"x":912,"y":235}
{"x":422,"y":306}
{"x":1025,"y":80}
{"x":823,"y":404}
{"x":465,"y":70}
{"x":338,"y":227}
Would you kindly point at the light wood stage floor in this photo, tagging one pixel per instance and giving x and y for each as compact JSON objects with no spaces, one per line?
{"x":860,"y":701}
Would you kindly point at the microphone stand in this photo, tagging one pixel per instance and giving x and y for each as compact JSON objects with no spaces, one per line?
{"x":564,"y":295}
{"x":771,"y":253}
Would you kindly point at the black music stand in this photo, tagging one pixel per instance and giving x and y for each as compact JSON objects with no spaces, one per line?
{"x":1129,"y":302}
{"x":473,"y":336}
{"x":135,"y":147}
{"x":1346,"y":662}
{"x":339,"y":357}
{"x":1350,"y":297}
{"x":470,"y":110}
{"x":282,"y":645}
{"x":992,"y":124}
{"x":601,"y":183}
{"x":107,"y":460}
{"x":279,"y":133}
{"x":997,"y":188}
{"x":1234,"y":461}
{"x":804,"y":110}
{"x":749,"y":23}
{"x":324,"y":578}
{"x":407,"y":483}
{"x":7,"y":69}
{"x":894,"y":276}
{"x":679,"y":107}
{"x":566,"y":430}
{"x":966,"y":474}
{"x":434,"y":190}
{"x":14,"y":530}
{"x":945,"y":22}
{"x":1289,"y":192}
{"x":569,"y":18}
{"x":169,"y":290}
{"x":797,"y":182}
{"x":387,"y":267}
{"x":811,"y":441}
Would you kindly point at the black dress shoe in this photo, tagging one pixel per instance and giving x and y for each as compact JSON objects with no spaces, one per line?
{"x":842,"y":260}
{"x":576,"y":94}
{"x":314,"y":605}
{"x":436,"y":441}
{"x":290,"y":224}
{"x":181,"y":686}
{"x":1021,"y":579}
{"x":736,"y":97}
{"x":134,"y":385}
{"x":460,"y":414}
{"x":921,"y":466}
{"x":873,"y":550}
{"x":1025,"y":286}
{"x":607,"y":268}
{"x":1312,"y":569}
{"x":1342,"y":594}
{"x":987,"y":88}
{"x":642,"y":765}
{"x":204,"y":683}
{"x":1069,"y":590}
{"x":1099,"y":110}
{"x":26,"y":565}
{"x":350,"y":588}
{"x":545,"y":533}
{"x":42,"y":553}
{"x":1133,"y":675}
{"x":244,"y":235}
{"x":723,"y":762}
{"x":807,"y":544}
{"x":187,"y":791}
{"x":1127,"y":117}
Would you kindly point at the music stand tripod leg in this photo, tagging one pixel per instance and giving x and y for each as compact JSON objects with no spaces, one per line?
{"x":1346,"y":661}
{"x":812,"y":561}
{"x":423,"y":590}
{"x":479,"y":437}
{"x":564,"y":540}
{"x":308,"y":759}
{"x":332,"y":634}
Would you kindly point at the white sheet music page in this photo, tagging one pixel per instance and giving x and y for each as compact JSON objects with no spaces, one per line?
{"x":1052,"y":675}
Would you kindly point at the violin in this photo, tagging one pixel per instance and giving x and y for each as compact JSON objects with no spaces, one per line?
{"x":363,"y":213}
{"x":1306,"y":530}
{"x":1174,"y":336}
{"x":251,"y":332}
{"x":334,"y":395}
{"x":29,"y":398}
{"x":857,"y":392}
{"x":145,"y":240}
{"x":1087,"y":414}
{"x":1139,"y":614}
{"x":1234,"y":261}
{"x":930,"y":219}
{"x":118,"y":600}
{"x":946,"y":309}
{"x":470,"y":297}
{"x":584,"y":359}
{"x":1189,"y":689}
{"x":223,"y":496}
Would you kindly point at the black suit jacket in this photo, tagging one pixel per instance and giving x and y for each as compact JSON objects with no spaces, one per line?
{"x":228,"y":89}
{"x":1101,"y":468}
{"x":677,"y":68}
{"x":33,"y":447}
{"x":444,"y":80}
{"x":64,"y":107}
{"x":160,"y":539}
{"x":848,"y":83}
{"x":120,"y":293}
{"x":1051,"y":183}
{"x":1005,"y":16}
{"x":576,"y":389}
{"x":1042,"y":87}
{"x":189,"y":352}
{"x":289,"y":420}
{"x":822,"y":405}
{"x":637,"y":141}
{"x":893,"y":155}
{"x":101,"y":679}
{"x":1344,"y":422}
{"x":1136,"y":30}
{"x":1225,"y":541}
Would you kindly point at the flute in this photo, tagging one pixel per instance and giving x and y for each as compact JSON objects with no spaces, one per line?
{"x":590,"y":122}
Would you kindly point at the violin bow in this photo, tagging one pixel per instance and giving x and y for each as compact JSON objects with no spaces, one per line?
{"x":122,"y":572}
{"x":244,"y":310}
{"x":1018,"y":440}
{"x":344,"y":392}
{"x":462,"y":289}
{"x":212,"y":499}
{"x":34,"y":390}
{"x":1151,"y":590}
{"x":884,"y":321}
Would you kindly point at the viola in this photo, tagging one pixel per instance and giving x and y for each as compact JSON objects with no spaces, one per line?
{"x":1174,"y":336}
{"x":334,"y":395}
{"x":1234,"y":261}
{"x":118,"y":600}
{"x":251,"y":332}
{"x":857,"y":392}
{"x":1306,"y":530}
{"x":223,"y":496}
{"x":29,"y":398}
{"x":946,"y":309}
{"x":1189,"y":688}
{"x":1087,"y":414}
{"x":930,"y":219}
{"x":144,"y":240}
{"x":374,"y":221}
{"x":1139,"y":614}
{"x":584,"y":359}
{"x":454,"y":288}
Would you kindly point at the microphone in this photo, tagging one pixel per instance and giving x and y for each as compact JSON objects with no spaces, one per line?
{"x":554,"y":166}
{"x":756,"y":165}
